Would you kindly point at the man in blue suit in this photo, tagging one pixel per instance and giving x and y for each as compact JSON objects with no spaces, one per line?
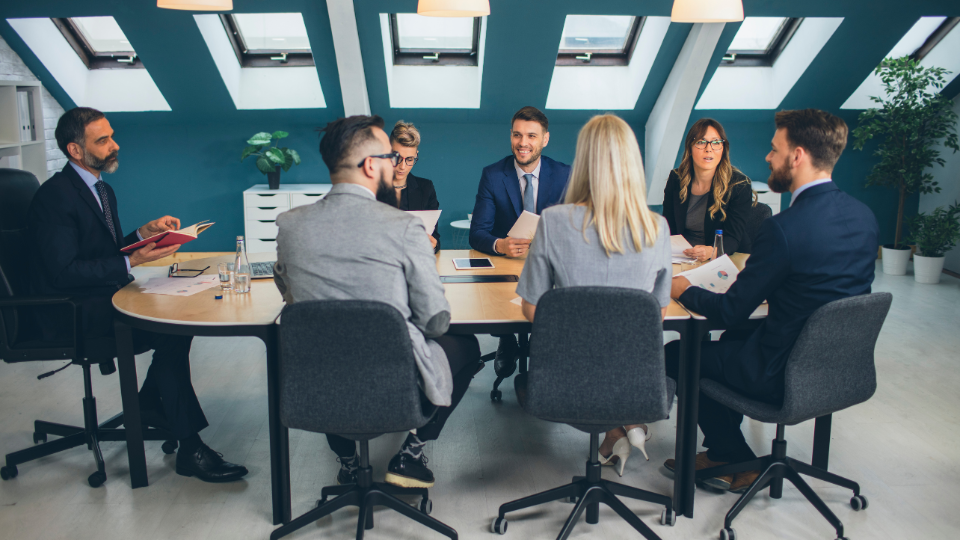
{"x":527,"y":181}
{"x":822,"y":248}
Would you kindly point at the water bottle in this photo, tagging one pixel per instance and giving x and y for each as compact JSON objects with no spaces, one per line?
{"x":241,"y":269}
{"x":718,"y":245}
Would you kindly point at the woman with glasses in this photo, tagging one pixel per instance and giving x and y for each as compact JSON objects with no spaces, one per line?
{"x":410,"y":192}
{"x":706,"y":193}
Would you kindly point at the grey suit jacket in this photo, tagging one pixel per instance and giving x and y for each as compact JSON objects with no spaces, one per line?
{"x":349,"y":246}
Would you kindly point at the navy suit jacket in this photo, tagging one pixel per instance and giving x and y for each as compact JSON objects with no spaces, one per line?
{"x":821,"y":249}
{"x":73,"y":252}
{"x":500,"y":203}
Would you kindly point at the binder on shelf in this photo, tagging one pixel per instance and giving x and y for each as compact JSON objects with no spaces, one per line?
{"x":28,"y":126}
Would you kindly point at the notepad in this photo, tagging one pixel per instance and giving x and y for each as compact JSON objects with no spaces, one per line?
{"x":526,"y":226}
{"x":429,"y":217}
{"x":171,"y":238}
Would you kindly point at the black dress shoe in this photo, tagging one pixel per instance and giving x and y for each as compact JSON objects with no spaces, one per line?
{"x":208,"y":465}
{"x":407,"y":471}
{"x":507,"y":354}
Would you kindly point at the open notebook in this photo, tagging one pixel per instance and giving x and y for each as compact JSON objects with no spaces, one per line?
{"x":169,"y":238}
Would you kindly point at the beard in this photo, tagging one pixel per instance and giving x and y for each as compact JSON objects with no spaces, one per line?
{"x":534,"y":156}
{"x":780,"y":179}
{"x":385,"y":186}
{"x":108,"y":164}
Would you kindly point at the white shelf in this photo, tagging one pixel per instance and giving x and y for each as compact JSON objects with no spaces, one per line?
{"x":262,"y":205}
{"x":29,"y":156}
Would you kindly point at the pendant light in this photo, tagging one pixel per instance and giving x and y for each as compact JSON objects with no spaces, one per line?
{"x":713,"y":11}
{"x":196,"y":5}
{"x":453,"y":8}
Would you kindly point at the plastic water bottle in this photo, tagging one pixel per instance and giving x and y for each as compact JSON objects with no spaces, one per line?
{"x":718,"y":244}
{"x":241,"y":269}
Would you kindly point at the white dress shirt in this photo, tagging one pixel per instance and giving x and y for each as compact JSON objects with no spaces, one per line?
{"x":805,"y":187}
{"x":90,"y":180}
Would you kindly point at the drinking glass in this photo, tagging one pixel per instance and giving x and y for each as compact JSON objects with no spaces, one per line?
{"x":226,"y":276}
{"x":241,"y":283}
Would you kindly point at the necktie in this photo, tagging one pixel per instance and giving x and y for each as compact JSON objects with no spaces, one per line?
{"x":105,"y":203}
{"x":529,"y":200}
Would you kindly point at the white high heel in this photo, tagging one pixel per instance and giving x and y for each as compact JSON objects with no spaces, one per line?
{"x":638,"y":438}
{"x":621,"y":449}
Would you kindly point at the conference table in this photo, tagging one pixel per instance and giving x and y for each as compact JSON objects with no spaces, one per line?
{"x":476,"y":308}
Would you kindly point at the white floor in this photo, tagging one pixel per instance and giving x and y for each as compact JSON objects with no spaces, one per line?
{"x":902,"y":446}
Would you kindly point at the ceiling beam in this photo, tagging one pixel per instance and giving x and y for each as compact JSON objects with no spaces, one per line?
{"x":346,"y":44}
{"x":667,"y":123}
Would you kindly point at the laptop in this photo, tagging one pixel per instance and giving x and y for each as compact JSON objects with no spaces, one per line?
{"x":262,"y":269}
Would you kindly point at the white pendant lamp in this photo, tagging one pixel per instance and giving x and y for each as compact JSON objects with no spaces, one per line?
{"x":713,"y":11}
{"x":453,"y":8}
{"x":196,"y":5}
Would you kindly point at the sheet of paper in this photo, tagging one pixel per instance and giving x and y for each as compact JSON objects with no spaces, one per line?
{"x":518,"y":301}
{"x":679,"y":244}
{"x":180,"y":286}
{"x":429,"y":217}
{"x":715,"y":276}
{"x":525,"y":227}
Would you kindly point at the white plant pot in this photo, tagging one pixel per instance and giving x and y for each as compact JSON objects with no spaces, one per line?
{"x":927,"y":269}
{"x":895,"y":260}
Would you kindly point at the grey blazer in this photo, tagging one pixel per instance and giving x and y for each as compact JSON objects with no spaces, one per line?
{"x":349,"y":246}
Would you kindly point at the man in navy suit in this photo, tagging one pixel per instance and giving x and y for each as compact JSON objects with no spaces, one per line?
{"x":74,"y":226}
{"x":527,"y":181}
{"x":822,"y":248}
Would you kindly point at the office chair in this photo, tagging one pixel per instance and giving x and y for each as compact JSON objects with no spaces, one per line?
{"x":758,"y":213}
{"x":830,"y":368}
{"x":595,"y":389}
{"x":17,"y":344}
{"x":347,"y":367}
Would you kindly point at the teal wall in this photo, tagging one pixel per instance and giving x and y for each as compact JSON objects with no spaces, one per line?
{"x":185,"y":162}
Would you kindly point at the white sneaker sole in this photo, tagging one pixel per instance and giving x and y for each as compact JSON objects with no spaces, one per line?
{"x":406,"y":481}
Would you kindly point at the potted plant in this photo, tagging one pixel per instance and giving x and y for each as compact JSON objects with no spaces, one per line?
{"x":271,"y":158}
{"x":914,"y":119}
{"x":934,"y":234}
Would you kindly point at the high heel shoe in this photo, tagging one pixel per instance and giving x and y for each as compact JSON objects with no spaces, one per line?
{"x":621,"y":450}
{"x":638,"y":438}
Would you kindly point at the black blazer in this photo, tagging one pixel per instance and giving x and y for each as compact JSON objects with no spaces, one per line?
{"x":821,"y":249}
{"x":73,"y":252}
{"x":419,"y":195}
{"x":737,"y":207}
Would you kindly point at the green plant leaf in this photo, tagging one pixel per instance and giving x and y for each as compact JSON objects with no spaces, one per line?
{"x":275,"y":155}
{"x":251,"y":149}
{"x":262,"y":138}
{"x":287,"y":161}
{"x":294,"y":155}
{"x":280,"y":135}
{"x":265,"y":165}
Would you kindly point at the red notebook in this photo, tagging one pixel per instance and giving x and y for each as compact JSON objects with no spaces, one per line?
{"x":170,"y":238}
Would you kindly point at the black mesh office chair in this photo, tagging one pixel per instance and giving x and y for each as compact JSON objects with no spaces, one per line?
{"x":758,"y":213}
{"x":595,"y":388}
{"x":830,"y":368}
{"x":19,"y":344}
{"x":347,"y":367}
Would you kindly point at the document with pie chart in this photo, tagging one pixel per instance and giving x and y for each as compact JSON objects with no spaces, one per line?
{"x":715,"y":276}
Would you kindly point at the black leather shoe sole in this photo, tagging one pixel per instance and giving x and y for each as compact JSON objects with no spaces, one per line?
{"x":213,"y":479}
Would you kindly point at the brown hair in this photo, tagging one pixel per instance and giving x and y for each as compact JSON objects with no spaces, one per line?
{"x":723,"y":175}
{"x":406,"y":134}
{"x":531,"y":114}
{"x":821,"y":134}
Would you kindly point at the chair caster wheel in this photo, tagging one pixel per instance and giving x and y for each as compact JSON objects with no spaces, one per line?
{"x":858,"y":502}
{"x":496,"y":396}
{"x":39,"y":438}
{"x":9,"y":472}
{"x":668,"y":517}
{"x":728,"y":533}
{"x":499,"y":526}
{"x":426,"y":506}
{"x":169,"y":447}
{"x":97,"y":479}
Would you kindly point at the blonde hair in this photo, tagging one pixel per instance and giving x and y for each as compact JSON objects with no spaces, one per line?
{"x":608,"y":179}
{"x":406,"y":134}
{"x":720,"y":185}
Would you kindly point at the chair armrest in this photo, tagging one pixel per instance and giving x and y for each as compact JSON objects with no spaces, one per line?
{"x":18,"y":301}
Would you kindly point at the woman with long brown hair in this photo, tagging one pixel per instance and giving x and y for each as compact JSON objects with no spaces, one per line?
{"x":707,"y":193}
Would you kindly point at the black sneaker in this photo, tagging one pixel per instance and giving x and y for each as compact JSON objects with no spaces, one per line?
{"x":407,"y":471}
{"x":348,"y":470}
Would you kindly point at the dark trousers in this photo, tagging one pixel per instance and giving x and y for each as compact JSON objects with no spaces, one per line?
{"x":720,"y":425}
{"x":463,"y":353}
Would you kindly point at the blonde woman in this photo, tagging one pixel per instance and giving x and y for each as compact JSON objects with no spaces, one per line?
{"x":603,"y":235}
{"x":706,"y":193}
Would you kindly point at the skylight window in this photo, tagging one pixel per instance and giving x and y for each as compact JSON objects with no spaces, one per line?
{"x":760,"y":40}
{"x":269,"y":39}
{"x":598,"y":40}
{"x":935,"y":37}
{"x":419,"y":40}
{"x":99,"y":42}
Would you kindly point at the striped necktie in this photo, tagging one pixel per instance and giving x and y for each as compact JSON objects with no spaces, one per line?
{"x":529,"y":201}
{"x":105,"y":204}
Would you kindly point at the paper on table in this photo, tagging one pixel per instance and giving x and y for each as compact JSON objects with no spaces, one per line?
{"x":518,"y":301}
{"x":429,"y":217}
{"x":678,"y":244}
{"x":525,"y":227}
{"x":715,"y":276}
{"x":180,"y":286}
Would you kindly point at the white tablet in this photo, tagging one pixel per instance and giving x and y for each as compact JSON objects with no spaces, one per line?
{"x":472,"y":264}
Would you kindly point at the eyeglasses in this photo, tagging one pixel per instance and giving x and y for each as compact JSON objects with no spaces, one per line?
{"x":716,"y":144}
{"x":394,"y":158}
{"x":410,"y":161}
{"x":175,"y":270}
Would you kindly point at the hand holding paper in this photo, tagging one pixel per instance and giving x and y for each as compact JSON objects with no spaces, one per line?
{"x":679,"y":244}
{"x":525,"y":227}
{"x":429,"y":217}
{"x":715,"y":276}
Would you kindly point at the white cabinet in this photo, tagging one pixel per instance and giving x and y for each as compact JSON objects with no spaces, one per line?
{"x":262,"y":205}
{"x":767,"y":197}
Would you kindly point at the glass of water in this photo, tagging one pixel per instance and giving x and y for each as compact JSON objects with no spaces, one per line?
{"x":241,"y":283}
{"x":226,"y":276}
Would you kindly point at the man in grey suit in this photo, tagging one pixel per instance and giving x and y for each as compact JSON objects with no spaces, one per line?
{"x":349,"y":246}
